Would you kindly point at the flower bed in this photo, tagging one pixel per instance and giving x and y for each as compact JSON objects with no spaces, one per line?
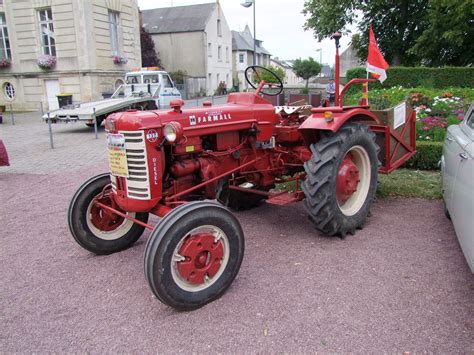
{"x":435,"y":110}
{"x":433,"y":117}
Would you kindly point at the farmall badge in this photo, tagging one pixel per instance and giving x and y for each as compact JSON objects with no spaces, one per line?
{"x":209,"y":117}
{"x":152,"y":135}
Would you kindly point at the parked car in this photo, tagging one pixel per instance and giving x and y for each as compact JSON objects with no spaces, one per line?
{"x":457,"y":167}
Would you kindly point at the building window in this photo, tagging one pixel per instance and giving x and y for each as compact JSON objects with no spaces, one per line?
{"x":219,"y":28}
{"x":219,"y":53}
{"x":209,"y":50}
{"x":48,"y":44}
{"x":113,"y":27}
{"x":209,"y":76}
{"x":227,"y":54}
{"x":218,"y":80}
{"x":5,"y":52}
{"x":9,"y":91}
{"x":241,"y":58}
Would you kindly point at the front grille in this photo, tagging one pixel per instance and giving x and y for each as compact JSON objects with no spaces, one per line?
{"x":138,"y":182}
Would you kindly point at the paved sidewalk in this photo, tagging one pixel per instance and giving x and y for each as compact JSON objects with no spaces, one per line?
{"x":400,"y":284}
{"x":29,"y":150}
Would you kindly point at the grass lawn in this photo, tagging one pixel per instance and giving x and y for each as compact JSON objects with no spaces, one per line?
{"x":410,"y":183}
{"x":401,"y":183}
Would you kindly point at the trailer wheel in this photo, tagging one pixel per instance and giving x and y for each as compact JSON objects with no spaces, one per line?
{"x":193,"y":255}
{"x":236,"y":200}
{"x":99,"y":122}
{"x":96,"y":229}
{"x":341,"y":179}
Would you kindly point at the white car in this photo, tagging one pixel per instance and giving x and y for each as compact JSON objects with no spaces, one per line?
{"x":457,"y":168}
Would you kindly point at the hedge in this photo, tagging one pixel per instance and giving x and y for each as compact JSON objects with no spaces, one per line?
{"x":420,"y":76}
{"x":428,"y":154}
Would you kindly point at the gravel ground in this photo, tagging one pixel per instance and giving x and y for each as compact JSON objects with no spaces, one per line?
{"x":400,"y":284}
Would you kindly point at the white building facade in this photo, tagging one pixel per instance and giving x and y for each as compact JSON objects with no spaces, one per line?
{"x":195,"y":39}
{"x":84,"y":48}
{"x":290,"y":77}
{"x":242,"y":49}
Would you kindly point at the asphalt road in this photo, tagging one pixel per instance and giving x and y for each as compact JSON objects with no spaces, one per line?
{"x":400,"y":284}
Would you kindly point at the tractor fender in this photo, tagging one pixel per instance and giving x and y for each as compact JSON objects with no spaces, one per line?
{"x":317,"y":121}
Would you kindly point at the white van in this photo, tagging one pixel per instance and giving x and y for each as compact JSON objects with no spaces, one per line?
{"x":153,"y":81}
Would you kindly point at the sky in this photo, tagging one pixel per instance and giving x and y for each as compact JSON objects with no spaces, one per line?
{"x":279,"y":25}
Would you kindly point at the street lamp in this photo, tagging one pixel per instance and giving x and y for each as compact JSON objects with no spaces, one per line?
{"x":247,"y":4}
{"x":320,"y":50}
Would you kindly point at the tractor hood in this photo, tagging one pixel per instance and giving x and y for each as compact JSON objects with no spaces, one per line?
{"x":240,"y":112}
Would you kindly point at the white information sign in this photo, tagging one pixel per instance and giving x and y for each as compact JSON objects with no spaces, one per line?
{"x":399,"y":115}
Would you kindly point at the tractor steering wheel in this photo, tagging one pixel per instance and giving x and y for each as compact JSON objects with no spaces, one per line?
{"x":254,"y":71}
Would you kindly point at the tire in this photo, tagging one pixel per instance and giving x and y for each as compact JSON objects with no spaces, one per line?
{"x":236,"y":200}
{"x":99,"y":122}
{"x":446,"y":211}
{"x":184,"y":274}
{"x":84,"y":218}
{"x":334,"y":206}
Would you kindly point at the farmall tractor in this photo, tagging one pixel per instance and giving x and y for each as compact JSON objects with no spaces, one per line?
{"x":174,"y":163}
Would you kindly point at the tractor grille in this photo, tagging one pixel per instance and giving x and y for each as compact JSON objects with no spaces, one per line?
{"x":138,"y":183}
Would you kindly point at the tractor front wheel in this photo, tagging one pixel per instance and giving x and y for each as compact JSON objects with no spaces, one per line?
{"x":97,"y":229}
{"x":341,"y":179}
{"x":193,"y":255}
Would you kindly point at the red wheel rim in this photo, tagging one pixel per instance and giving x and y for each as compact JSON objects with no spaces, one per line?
{"x":202,"y":258}
{"x":347,"y":179}
{"x":103,"y":219}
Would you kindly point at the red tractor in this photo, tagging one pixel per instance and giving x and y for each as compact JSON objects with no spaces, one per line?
{"x":171,"y":163}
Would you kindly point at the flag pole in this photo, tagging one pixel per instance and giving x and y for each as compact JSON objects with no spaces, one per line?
{"x":367,"y":83}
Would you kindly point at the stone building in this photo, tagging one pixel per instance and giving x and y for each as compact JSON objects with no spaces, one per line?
{"x":195,"y":39}
{"x":349,"y":60}
{"x":92,"y":42}
{"x":242,"y":55}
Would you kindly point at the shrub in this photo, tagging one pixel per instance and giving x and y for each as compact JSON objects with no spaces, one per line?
{"x":427,"y":156}
{"x":178,"y":76}
{"x":421,"y":76}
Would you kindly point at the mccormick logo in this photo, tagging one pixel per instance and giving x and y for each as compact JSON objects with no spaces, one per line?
{"x":209,"y":117}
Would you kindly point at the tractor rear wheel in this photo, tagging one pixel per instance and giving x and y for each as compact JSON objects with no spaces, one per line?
{"x":341,"y":179}
{"x":236,"y":200}
{"x":193,"y":255}
{"x":97,"y":229}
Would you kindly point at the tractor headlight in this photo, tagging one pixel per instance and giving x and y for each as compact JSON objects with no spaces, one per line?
{"x":173,"y":132}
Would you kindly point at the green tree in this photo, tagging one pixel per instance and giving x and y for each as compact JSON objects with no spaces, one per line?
{"x":306,"y":69}
{"x":449,"y":37}
{"x":265,"y":75}
{"x":396,"y":24}
{"x":178,"y":76}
